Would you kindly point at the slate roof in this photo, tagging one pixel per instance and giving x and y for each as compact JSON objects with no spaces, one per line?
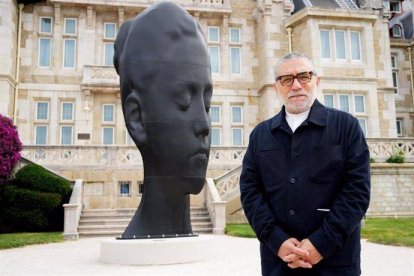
{"x":327,"y":4}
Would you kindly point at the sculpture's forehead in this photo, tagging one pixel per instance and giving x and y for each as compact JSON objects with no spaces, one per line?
{"x":165,"y":33}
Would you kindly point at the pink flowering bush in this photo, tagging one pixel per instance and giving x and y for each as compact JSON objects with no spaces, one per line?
{"x":10,"y":147}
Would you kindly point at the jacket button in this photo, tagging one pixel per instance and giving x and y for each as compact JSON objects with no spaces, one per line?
{"x":292,"y":180}
{"x":291,"y":212}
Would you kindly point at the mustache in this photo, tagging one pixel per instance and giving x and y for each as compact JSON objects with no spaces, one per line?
{"x":296,"y":93}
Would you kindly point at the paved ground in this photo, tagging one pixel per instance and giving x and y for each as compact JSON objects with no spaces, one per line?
{"x":234,"y":256}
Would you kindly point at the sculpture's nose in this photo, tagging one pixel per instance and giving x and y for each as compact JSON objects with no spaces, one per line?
{"x":201,"y":128}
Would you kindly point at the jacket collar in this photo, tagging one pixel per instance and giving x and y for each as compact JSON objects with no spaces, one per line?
{"x":317,"y":116}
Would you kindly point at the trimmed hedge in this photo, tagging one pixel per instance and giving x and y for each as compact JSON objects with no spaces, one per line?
{"x":33,"y":201}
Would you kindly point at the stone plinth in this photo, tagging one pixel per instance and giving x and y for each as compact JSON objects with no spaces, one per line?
{"x":155,"y":251}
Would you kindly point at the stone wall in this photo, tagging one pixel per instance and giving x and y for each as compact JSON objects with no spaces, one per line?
{"x":392,"y":190}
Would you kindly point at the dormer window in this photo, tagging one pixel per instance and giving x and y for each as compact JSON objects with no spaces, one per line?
{"x":396,"y":31}
{"x":395,"y":6}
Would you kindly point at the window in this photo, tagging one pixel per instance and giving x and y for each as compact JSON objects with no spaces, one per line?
{"x":108,"y":113}
{"x":108,"y":135}
{"x":45,"y":52}
{"x":124,"y":188}
{"x":395,"y":81}
{"x":393,"y":61}
{"x":355,"y":46}
{"x":45,"y":25}
{"x":347,"y":44}
{"x":340,"y":44}
{"x":396,"y":31}
{"x":110,"y":31}
{"x":351,"y":102}
{"x":108,"y":54}
{"x":67,"y":111}
{"x":237,"y":136}
{"x":215,"y":136}
{"x":69,"y":53}
{"x":325,"y":44}
{"x":236,"y":114}
{"x":362,"y":124}
{"x":40,"y":135}
{"x":70,"y":26}
{"x":214,"y":52}
{"x":235,"y":60}
{"x":213,"y":34}
{"x":66,"y":135}
{"x":395,"y":7}
{"x":215,"y":114}
{"x":344,"y":103}
{"x":45,"y":41}
{"x":234,"y":35}
{"x":359,"y":104}
{"x":328,"y":100}
{"x":42,"y":110}
{"x":399,"y":127}
{"x":140,"y":187}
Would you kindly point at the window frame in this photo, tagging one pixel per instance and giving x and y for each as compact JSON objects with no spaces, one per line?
{"x":103,"y":114}
{"x":104,"y":54}
{"x":363,"y":104}
{"x":105,"y":34}
{"x":103,"y":135}
{"x":329,"y":43}
{"x":219,"y":114}
{"x":241,"y":114}
{"x":218,"y":59}
{"x":209,"y":37}
{"x":335,"y":31}
{"x":241,"y":136}
{"x":333,"y":99}
{"x":76,"y":26}
{"x":72,"y":113}
{"x":51,"y":25}
{"x":61,"y":134}
{"x":220,"y":137}
{"x":120,"y":184}
{"x":74,"y":53}
{"x":50,"y":52}
{"x":396,"y":27}
{"x":37,"y":111}
{"x":36,"y":132}
{"x":239,"y":36}
{"x":400,"y":129}
{"x":231,"y":61}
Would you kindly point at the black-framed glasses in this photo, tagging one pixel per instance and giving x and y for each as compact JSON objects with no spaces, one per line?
{"x":303,"y":77}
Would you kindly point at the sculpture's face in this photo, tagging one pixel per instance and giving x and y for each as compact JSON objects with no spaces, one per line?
{"x":175,"y":114}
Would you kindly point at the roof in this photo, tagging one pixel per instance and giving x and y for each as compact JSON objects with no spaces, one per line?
{"x":326,"y":4}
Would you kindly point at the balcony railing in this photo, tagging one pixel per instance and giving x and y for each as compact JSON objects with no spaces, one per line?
{"x":99,"y":76}
{"x":230,"y":157}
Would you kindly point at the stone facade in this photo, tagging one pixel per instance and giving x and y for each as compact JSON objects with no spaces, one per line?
{"x":69,"y":93}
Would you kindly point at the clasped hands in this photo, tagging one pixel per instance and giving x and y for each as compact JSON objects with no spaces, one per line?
{"x":299,"y":253}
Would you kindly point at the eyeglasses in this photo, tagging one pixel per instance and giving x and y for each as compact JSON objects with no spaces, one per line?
{"x":304,"y":77}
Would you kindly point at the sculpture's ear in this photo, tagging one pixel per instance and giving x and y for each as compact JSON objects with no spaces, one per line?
{"x":134,"y":121}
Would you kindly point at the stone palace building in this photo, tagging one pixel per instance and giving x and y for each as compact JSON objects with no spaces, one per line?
{"x":58,"y":83}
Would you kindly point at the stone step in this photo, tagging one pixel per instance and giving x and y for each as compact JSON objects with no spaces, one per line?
{"x":125,"y":221}
{"x":112,"y":222}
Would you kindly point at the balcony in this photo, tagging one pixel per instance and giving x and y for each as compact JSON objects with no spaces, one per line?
{"x":102,"y":78}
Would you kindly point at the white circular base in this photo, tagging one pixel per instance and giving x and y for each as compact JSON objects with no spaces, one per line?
{"x":154,"y":251}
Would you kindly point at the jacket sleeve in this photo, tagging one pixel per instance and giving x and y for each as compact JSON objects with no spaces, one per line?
{"x":255,"y":205}
{"x":352,"y":200}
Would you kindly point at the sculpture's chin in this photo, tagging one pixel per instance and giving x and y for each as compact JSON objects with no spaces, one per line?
{"x":194,"y":184}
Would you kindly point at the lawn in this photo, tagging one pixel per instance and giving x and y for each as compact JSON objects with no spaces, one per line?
{"x":23,"y":239}
{"x":389,"y":231}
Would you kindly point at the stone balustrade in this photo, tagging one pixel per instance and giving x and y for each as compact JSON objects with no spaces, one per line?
{"x":99,"y":75}
{"x":220,"y":157}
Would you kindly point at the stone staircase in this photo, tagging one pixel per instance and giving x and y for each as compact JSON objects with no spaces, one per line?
{"x":112,"y":222}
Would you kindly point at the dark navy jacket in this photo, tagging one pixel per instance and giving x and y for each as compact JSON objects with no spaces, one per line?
{"x":312,"y":184}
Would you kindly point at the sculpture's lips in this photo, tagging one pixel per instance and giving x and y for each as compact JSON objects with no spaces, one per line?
{"x":201,"y":152}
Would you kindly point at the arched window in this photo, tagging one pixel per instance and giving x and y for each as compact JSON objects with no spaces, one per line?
{"x":396,"y":31}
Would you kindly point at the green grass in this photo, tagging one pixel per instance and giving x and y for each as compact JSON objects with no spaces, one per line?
{"x":240,"y":230}
{"x":23,"y":239}
{"x":388,"y":231}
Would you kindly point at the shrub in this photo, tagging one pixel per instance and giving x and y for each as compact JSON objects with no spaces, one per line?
{"x":396,"y":158}
{"x":36,"y":178}
{"x":33,"y":201}
{"x":10,"y":147}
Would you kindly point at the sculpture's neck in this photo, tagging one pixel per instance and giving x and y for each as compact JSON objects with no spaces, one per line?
{"x":164,"y":209}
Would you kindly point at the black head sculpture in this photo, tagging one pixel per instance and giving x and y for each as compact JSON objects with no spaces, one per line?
{"x":164,"y":67}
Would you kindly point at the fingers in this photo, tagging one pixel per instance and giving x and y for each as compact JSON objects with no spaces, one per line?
{"x":299,"y":251}
{"x":299,"y":263}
